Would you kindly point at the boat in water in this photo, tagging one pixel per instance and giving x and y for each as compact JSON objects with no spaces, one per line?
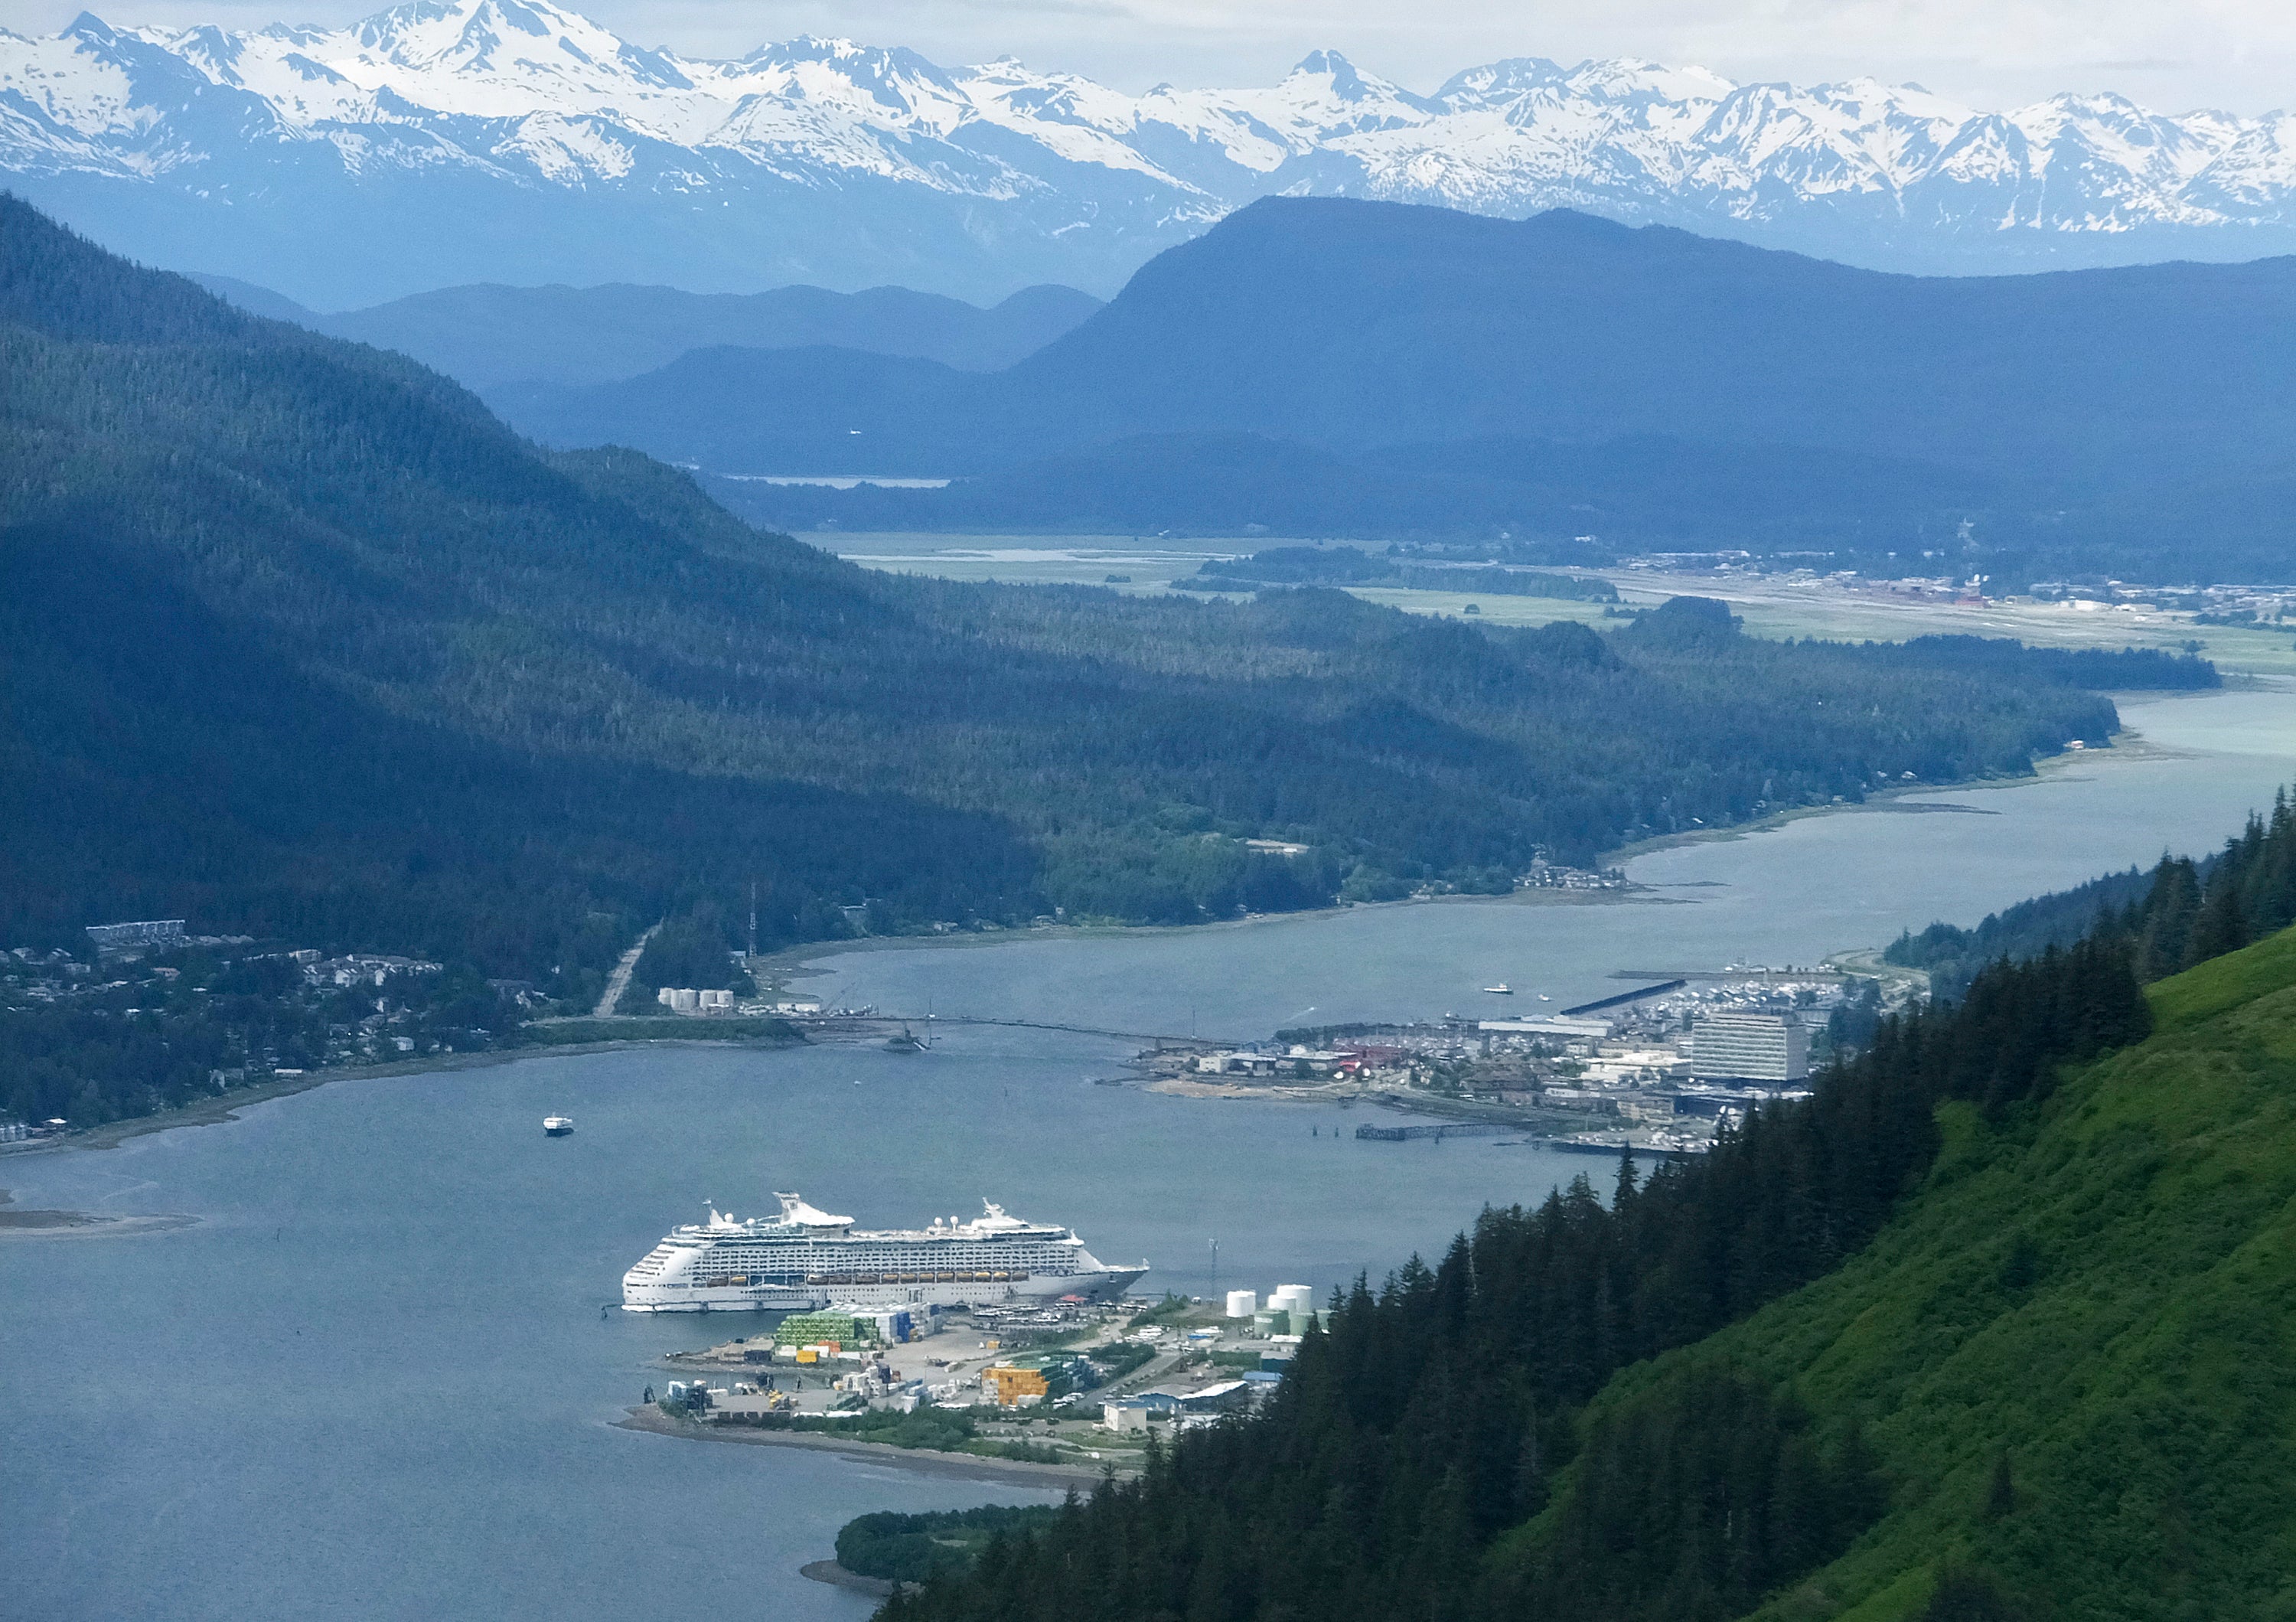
{"x":557,"y":1125}
{"x":1500,"y":990}
{"x":803,"y":1257}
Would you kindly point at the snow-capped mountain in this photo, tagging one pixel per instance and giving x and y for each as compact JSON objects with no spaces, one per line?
{"x":507,"y":140}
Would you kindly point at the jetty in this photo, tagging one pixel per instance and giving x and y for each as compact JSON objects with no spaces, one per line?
{"x":1446,"y":1130}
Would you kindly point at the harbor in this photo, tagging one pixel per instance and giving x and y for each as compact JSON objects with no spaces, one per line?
{"x":1074,"y":1386}
{"x":1662,"y":1069}
{"x":421,"y":1277}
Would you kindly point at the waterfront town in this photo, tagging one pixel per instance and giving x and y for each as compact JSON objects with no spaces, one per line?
{"x":1063,"y":1382}
{"x":1663,"y":1067}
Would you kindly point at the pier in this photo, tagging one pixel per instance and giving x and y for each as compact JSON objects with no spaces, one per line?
{"x":1625,"y":998}
{"x":1446,"y":1130}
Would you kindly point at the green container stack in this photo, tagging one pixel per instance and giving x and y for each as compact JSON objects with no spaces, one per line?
{"x":810,"y":1328}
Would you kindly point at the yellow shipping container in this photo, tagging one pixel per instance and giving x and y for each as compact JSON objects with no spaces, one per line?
{"x":1009,"y":1385}
{"x":805,"y":1353}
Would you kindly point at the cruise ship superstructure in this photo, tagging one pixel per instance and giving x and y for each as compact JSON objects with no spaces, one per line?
{"x":804,"y":1258}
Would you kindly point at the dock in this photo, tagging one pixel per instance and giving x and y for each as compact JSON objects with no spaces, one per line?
{"x":1625,"y":998}
{"x":1447,"y":1129}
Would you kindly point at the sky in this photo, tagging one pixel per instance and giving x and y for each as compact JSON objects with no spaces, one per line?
{"x":2172,"y":55}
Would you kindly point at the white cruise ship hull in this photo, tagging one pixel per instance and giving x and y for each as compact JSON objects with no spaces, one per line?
{"x":806,"y":1258}
{"x":952,"y":1292}
{"x":732,"y":1298}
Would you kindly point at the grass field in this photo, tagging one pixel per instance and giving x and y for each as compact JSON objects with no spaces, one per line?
{"x":1036,"y":559}
{"x":1771,"y":606}
{"x":1782,"y":608}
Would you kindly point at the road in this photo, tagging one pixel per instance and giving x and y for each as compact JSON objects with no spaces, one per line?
{"x":619,"y":981}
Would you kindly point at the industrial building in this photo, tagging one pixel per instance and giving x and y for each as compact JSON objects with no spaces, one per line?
{"x":689,"y":1000}
{"x":1771,"y":1047}
{"x":1578,"y":1029}
{"x":126,"y":936}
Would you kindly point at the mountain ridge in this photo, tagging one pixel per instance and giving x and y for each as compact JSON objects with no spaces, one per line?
{"x":486,"y":335}
{"x":556,"y":146}
{"x":401,"y":676}
{"x":1336,"y":327}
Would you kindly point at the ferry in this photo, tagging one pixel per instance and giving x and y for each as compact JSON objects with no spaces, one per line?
{"x":557,"y":1125}
{"x":803,"y":1257}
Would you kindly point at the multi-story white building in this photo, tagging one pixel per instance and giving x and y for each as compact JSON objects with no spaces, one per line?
{"x":1749,"y":1047}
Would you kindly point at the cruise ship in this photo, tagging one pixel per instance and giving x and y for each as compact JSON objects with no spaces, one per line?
{"x":804,"y":1257}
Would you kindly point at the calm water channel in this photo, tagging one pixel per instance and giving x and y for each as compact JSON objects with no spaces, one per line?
{"x":374,"y":1380}
{"x":1790,"y":894}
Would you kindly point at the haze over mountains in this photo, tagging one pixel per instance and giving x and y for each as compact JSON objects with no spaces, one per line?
{"x":489,"y":334}
{"x":1330,"y":366}
{"x":450,"y":142}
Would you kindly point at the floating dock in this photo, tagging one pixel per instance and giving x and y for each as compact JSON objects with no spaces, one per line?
{"x":1624,"y":997}
{"x":1447,"y":1129}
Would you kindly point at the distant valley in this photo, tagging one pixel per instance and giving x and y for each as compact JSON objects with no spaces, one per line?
{"x":1343,"y":368}
{"x":302,"y":643}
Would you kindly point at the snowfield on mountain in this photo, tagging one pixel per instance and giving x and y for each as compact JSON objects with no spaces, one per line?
{"x":558,"y":151}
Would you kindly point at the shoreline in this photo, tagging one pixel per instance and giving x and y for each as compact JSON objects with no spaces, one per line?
{"x":829,"y":1571}
{"x":225,"y":1106}
{"x":956,"y":1466}
{"x":78,"y":1224}
{"x":798,"y":962}
{"x":2125,"y":746}
{"x":809,"y":960}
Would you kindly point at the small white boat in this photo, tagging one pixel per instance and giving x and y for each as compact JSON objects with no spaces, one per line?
{"x":1545,"y":998}
{"x":1500,"y":990}
{"x":557,"y":1125}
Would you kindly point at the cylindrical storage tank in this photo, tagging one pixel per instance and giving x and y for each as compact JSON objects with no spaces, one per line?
{"x":1242,"y":1303}
{"x":1267,"y":1321}
{"x":1295,"y":1299}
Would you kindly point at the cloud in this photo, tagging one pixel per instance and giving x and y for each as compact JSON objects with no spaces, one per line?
{"x":2239,"y":54}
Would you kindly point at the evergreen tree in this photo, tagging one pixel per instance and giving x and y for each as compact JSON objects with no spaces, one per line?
{"x":2001,"y":1491}
{"x":2172,"y":904}
{"x":2221,"y":926}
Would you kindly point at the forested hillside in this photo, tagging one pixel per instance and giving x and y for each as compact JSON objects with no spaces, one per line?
{"x":302,"y":644}
{"x":1350,"y":324}
{"x":1338,"y":367}
{"x":1994,"y":1326}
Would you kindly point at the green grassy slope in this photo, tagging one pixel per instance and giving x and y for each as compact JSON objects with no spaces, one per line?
{"x":2105,"y":1294}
